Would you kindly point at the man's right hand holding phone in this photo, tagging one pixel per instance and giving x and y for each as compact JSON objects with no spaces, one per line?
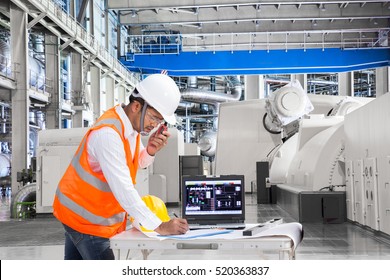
{"x":158,"y":139}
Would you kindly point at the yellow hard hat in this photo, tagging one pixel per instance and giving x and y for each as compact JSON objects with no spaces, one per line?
{"x":157,"y":206}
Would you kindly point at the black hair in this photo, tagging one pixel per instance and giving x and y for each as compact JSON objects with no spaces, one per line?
{"x":133,"y":98}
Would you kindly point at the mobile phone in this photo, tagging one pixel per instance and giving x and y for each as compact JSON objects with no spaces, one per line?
{"x":163,"y":127}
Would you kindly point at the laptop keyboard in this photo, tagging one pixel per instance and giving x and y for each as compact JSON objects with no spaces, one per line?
{"x":225,"y":226}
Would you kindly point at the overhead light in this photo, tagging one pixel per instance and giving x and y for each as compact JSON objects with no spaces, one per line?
{"x":200,"y":26}
{"x":314,"y":22}
{"x":133,"y":13}
{"x":257,"y":23}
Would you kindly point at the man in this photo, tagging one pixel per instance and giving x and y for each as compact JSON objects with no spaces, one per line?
{"x":98,"y":188}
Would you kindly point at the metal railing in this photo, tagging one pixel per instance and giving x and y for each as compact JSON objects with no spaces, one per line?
{"x":344,"y":39}
{"x":39,"y":83}
{"x":155,"y":44}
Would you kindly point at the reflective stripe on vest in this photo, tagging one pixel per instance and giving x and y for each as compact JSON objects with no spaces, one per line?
{"x":79,"y":177}
{"x":88,"y":215}
{"x":87,"y":177}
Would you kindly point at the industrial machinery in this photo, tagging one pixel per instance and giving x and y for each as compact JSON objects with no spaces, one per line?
{"x":327,"y":157}
{"x":55,"y":151}
{"x":367,"y":164}
{"x":249,"y":131}
{"x":304,"y":140}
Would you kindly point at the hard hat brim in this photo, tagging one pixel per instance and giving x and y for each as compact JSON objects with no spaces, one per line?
{"x":170,"y":119}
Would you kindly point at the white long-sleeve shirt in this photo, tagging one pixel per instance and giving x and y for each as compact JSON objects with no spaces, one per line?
{"x":106,"y":153}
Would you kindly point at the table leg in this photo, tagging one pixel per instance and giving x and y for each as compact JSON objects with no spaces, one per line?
{"x":146,"y":253}
{"x":290,"y":254}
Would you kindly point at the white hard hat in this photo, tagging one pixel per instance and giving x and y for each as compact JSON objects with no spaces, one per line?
{"x":161,"y":92}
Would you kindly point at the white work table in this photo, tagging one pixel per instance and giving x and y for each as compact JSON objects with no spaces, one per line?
{"x":135,"y":240}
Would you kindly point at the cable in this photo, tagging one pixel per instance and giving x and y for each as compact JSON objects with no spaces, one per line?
{"x":272,"y":150}
{"x":328,"y":187}
{"x":266,"y":128}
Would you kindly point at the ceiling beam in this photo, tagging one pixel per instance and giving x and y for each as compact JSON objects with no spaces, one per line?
{"x":248,"y":13}
{"x":188,"y":4}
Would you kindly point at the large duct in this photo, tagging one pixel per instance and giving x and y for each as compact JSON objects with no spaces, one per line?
{"x":5,"y":58}
{"x":192,"y":94}
{"x":27,"y":194}
{"x":207,"y":142}
{"x":186,"y":106}
{"x":37,"y":73}
{"x":5,"y":165}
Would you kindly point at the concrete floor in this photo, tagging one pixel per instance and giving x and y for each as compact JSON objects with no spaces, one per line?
{"x":42,"y":238}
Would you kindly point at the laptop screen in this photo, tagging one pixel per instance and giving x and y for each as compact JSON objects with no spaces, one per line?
{"x":213,"y":198}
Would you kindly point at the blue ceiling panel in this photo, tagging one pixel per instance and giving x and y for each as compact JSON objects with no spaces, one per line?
{"x":328,"y":60}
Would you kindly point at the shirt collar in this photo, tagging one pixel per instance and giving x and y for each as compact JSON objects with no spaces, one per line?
{"x":129,"y":130}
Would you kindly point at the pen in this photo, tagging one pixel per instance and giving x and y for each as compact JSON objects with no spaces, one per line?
{"x":174,"y":214}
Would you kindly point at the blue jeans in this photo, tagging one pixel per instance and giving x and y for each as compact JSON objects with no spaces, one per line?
{"x":79,"y":246}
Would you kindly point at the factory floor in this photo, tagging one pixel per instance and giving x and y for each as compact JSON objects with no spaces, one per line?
{"x":42,"y":238}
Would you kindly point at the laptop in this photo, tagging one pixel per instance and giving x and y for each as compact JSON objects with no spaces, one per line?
{"x":214,"y":202}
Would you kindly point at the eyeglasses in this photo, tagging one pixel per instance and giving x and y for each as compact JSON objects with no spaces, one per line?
{"x":154,"y":119}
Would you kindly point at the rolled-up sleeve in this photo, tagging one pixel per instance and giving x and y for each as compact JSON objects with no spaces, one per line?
{"x":145,"y":159}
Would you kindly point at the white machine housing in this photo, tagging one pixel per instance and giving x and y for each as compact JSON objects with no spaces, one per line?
{"x":242,"y":139}
{"x":367,"y":158}
{"x":55,"y":151}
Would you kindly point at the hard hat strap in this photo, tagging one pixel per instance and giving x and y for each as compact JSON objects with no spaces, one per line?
{"x":144,"y":107}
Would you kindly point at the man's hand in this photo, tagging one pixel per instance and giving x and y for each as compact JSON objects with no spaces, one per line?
{"x":174,"y":226}
{"x":157,"y":141}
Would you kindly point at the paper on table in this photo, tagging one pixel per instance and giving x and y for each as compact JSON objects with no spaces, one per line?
{"x":200,"y":233}
{"x":291,"y":230}
{"x":193,"y":234}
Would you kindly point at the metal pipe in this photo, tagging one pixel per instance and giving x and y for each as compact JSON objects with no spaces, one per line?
{"x":193,"y":94}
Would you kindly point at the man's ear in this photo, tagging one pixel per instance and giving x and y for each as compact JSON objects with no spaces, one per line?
{"x":136,"y":107}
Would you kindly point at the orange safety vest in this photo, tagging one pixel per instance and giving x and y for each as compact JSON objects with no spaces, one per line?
{"x":84,"y":200}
